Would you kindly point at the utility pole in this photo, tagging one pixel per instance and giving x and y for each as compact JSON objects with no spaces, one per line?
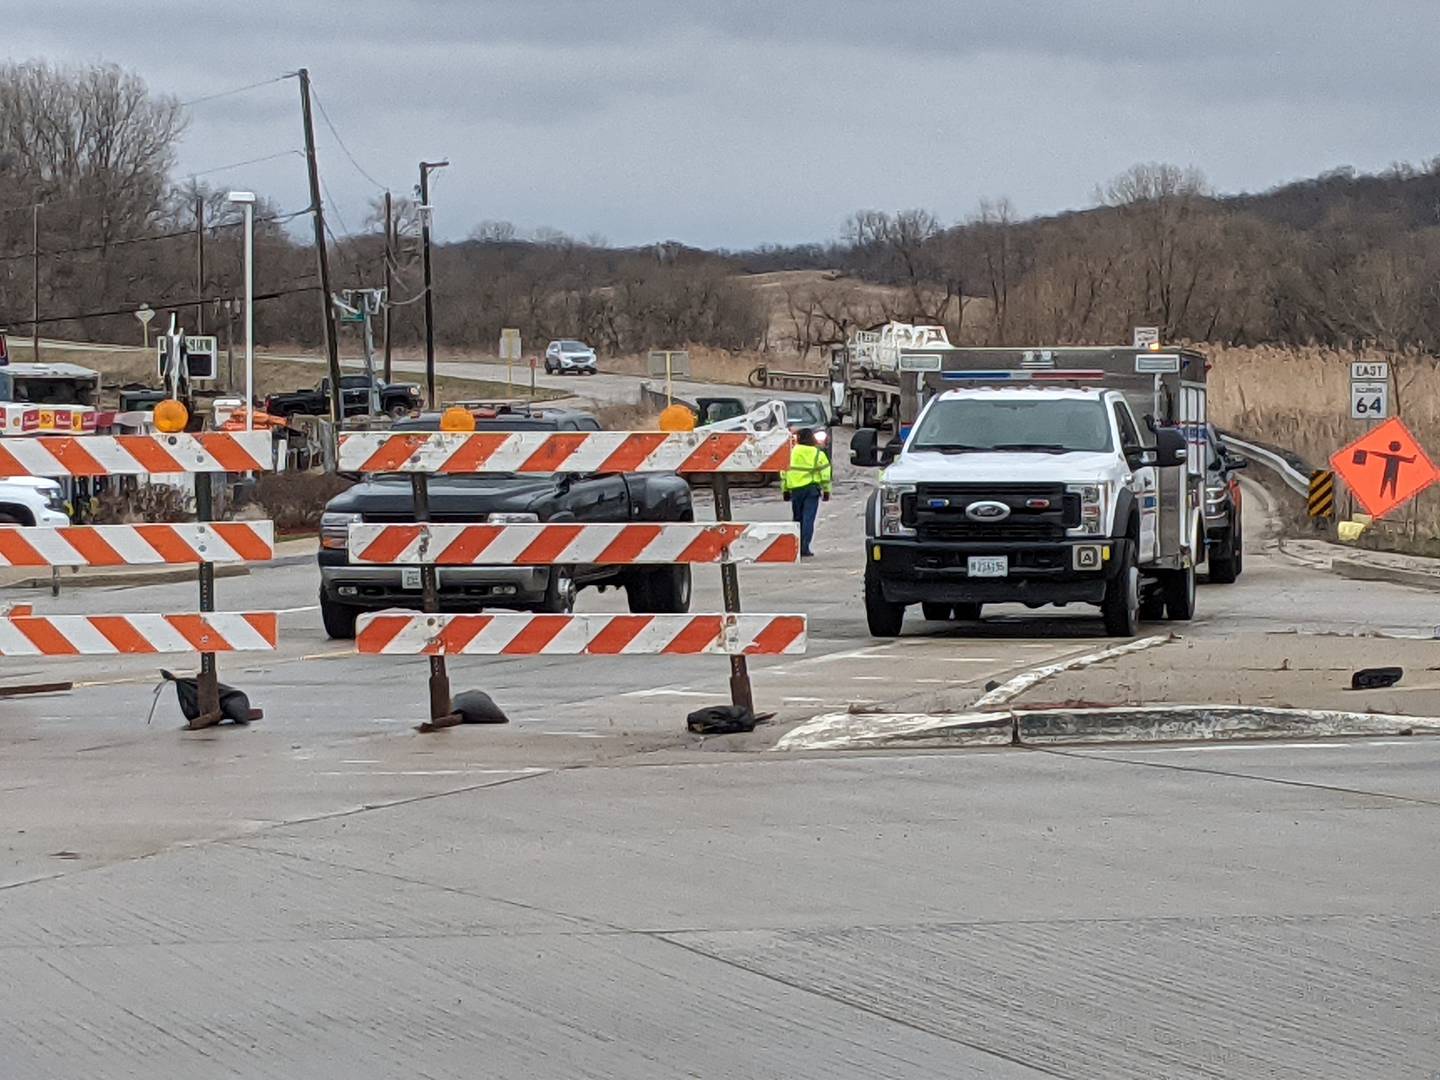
{"x":389,"y":276}
{"x":332,"y":344}
{"x":199,"y":264}
{"x":425,"y":167}
{"x":35,"y":274}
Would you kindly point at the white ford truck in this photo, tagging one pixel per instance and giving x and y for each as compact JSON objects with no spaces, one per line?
{"x":31,"y":500}
{"x":1030,"y":476}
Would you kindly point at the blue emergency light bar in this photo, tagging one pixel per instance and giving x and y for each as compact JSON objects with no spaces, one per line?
{"x":1023,"y":376}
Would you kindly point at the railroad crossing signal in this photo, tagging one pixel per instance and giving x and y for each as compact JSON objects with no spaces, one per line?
{"x":1321,"y":501}
{"x":1385,"y":468}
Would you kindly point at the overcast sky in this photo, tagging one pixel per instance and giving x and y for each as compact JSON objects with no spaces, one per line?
{"x":735,"y":122}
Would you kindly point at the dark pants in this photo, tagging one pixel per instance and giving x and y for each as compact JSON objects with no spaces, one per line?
{"x":804,"y":506}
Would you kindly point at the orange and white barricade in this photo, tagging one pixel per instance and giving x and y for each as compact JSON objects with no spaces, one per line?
{"x":199,"y":543}
{"x":724,"y":543}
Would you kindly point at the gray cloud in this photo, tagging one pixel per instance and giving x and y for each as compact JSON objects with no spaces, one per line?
{"x":736,"y":122}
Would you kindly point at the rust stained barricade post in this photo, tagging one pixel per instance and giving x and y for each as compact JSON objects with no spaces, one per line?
{"x":202,"y":544}
{"x":726,"y":543}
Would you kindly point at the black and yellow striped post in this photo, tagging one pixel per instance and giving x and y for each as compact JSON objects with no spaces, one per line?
{"x":1321,"y":501}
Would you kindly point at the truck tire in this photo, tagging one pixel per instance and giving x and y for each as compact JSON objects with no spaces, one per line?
{"x":1121,"y":606}
{"x":1179,"y":589}
{"x":559,"y":592}
{"x":1225,"y":560}
{"x":339,"y":619}
{"x":937,"y":612}
{"x":883,"y":617}
{"x":662,"y":591}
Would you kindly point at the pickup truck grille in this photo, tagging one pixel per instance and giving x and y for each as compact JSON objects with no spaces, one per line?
{"x":407,"y":517}
{"x":1037,"y":511}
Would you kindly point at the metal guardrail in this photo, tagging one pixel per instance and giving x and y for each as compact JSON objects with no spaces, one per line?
{"x":1296,"y":480}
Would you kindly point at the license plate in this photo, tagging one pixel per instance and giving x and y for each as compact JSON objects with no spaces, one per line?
{"x":988,"y":566}
{"x":410,"y":577}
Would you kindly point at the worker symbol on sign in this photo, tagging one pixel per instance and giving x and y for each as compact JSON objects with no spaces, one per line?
{"x":1393,"y":460}
{"x":1385,"y":468}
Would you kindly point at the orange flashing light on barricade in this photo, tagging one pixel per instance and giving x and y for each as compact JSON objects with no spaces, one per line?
{"x":171,"y":416}
{"x":677,"y":418}
{"x":457,"y":419}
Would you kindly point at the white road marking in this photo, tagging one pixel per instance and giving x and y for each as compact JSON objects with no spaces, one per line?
{"x":805,"y":700}
{"x":666,"y":692}
{"x":437,"y":772}
{"x":869,"y":678}
{"x":1013,"y":688}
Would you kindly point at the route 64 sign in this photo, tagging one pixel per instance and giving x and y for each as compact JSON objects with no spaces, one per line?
{"x":1369,"y":400}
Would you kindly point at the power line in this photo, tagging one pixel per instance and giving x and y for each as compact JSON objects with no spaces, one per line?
{"x":126,"y":240}
{"x":241,"y":164}
{"x":159,"y":306}
{"x":238,"y":90}
{"x":341,"y":142}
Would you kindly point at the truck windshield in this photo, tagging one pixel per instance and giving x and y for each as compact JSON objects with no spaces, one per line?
{"x":981,"y":424}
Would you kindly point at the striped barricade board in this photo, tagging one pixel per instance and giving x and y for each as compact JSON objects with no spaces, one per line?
{"x":565,"y":451}
{"x":405,"y":633}
{"x":116,"y":635}
{"x":188,"y":543}
{"x":596,"y":545}
{"x":137,"y":455}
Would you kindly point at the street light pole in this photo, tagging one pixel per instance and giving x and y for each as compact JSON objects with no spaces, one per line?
{"x":246,"y":201}
{"x":425,"y":169}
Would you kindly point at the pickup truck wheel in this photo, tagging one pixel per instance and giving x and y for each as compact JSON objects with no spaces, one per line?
{"x":1225,"y":560}
{"x":398,"y":410}
{"x":1121,"y":606}
{"x":339,"y":619}
{"x":663,"y":591}
{"x":937,"y":612}
{"x":883,"y":617}
{"x":559,"y":593}
{"x":1179,"y":589}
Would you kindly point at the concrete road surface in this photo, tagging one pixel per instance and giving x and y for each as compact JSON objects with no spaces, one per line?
{"x":1242,"y":912}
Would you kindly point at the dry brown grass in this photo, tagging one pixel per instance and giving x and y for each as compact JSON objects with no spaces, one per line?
{"x":1300,"y":398}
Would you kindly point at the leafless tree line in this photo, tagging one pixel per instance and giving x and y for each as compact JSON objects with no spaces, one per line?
{"x":1340,"y":260}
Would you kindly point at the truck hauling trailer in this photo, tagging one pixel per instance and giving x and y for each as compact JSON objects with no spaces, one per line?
{"x":1038,"y":476}
{"x":866,"y":372}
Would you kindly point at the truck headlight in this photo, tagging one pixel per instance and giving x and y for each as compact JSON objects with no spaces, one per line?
{"x":511,"y":519}
{"x":892,"y":509}
{"x":1092,"y":509}
{"x":335,"y":530}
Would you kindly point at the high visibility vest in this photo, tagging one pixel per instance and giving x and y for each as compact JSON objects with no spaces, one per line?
{"x":809,"y":467}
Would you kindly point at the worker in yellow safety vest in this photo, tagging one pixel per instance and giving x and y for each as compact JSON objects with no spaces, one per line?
{"x":805,"y":484}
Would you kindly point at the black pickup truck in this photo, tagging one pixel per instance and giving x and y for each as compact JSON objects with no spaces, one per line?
{"x":346,"y":589}
{"x":397,"y":399}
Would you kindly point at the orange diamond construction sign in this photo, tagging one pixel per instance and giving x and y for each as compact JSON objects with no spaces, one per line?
{"x":1385,"y":468}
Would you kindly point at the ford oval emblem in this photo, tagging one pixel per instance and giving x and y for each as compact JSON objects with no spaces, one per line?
{"x":987,"y":510}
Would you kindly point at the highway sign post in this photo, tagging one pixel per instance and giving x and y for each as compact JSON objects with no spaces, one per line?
{"x":1369,"y":389}
{"x":510,"y":353}
{"x":145,"y":313}
{"x":670,"y":362}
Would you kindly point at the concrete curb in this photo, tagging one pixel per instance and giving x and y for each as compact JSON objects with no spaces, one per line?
{"x":168,"y":575}
{"x":1049,"y":727}
{"x":1362,"y":571}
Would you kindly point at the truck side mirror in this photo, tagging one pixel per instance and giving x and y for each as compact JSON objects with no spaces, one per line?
{"x":1170,"y":448}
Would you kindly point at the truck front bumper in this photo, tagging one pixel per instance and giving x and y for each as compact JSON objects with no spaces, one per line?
{"x":1049,"y":572}
{"x":462,"y":588}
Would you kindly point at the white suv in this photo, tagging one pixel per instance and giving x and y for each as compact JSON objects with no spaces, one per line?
{"x":31,"y":500}
{"x":564,"y":357}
